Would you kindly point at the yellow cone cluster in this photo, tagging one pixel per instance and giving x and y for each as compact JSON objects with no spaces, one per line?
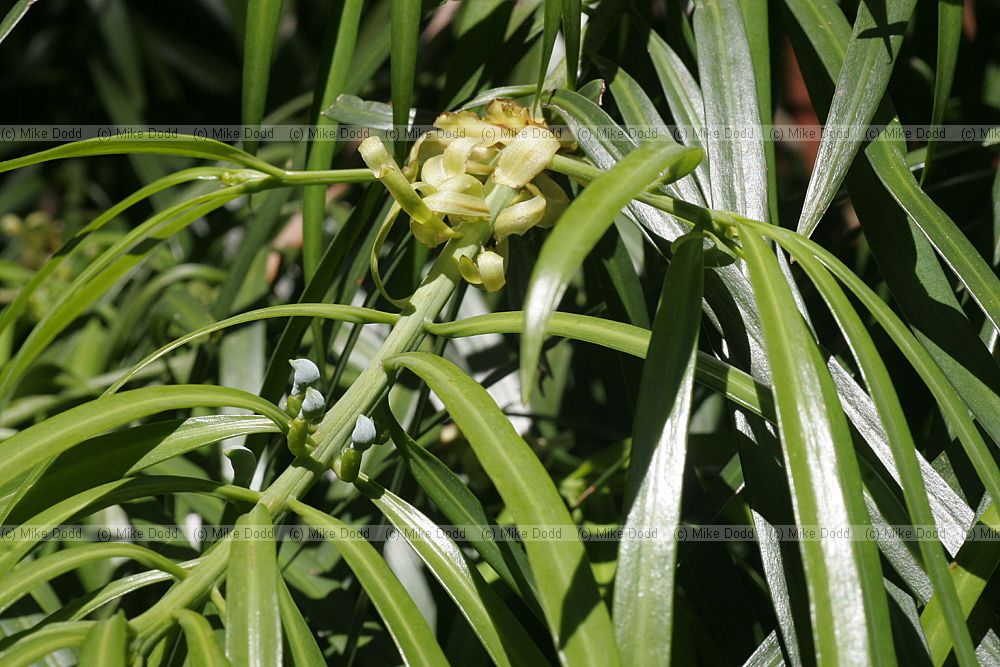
{"x":452,"y":168}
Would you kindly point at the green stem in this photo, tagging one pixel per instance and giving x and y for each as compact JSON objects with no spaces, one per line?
{"x":335,"y":429}
{"x":325,"y":176}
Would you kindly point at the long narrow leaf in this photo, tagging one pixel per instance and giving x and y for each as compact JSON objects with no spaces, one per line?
{"x":849,"y":613}
{"x":644,"y":606}
{"x":578,"y":620}
{"x":580,"y":227}
{"x":261,"y":33}
{"x":409,"y":630}
{"x":871,"y":54}
{"x":497,"y":628}
{"x":47,"y":439}
{"x":253,"y":623}
{"x":203,"y":648}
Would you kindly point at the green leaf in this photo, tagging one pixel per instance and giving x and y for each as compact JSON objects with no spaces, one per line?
{"x":579,"y":229}
{"x":300,"y":638}
{"x":112,"y":493}
{"x":908,"y":262}
{"x":972,"y":570}
{"x":261,"y":32}
{"x":102,"y":272}
{"x":952,"y":407}
{"x":903,"y":448}
{"x":106,"y":645}
{"x":126,"y":452}
{"x":47,"y":439}
{"x":497,"y":628}
{"x":638,"y":110}
{"x":737,"y":169}
{"x":863,"y":78}
{"x":644,"y":605}
{"x":951,"y":244}
{"x":684,"y":98}
{"x":35,"y":646}
{"x":551,"y":13}
{"x":203,"y":648}
{"x":757,"y":24}
{"x":571,"y":10}
{"x":321,"y":152}
{"x":578,"y":620}
{"x":768,"y":654}
{"x":731,"y":382}
{"x":19,"y":581}
{"x":184,"y":145}
{"x":409,"y":630}
{"x":15,"y":14}
{"x":949,"y":35}
{"x":580,"y":114}
{"x":355,"y":314}
{"x":404,"y":26}
{"x":253,"y":622}
{"x":849,"y":614}
{"x":461,"y":507}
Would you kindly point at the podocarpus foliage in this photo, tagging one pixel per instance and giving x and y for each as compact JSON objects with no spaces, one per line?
{"x":520,"y":302}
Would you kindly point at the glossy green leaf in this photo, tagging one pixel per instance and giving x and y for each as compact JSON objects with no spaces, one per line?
{"x":952,"y":245}
{"x":203,"y":648}
{"x":409,"y":630}
{"x":354,"y":314}
{"x":551,"y":15}
{"x":129,"y":451}
{"x":404,"y":26}
{"x":321,"y":152}
{"x":33,"y":648}
{"x":734,"y":384}
{"x":737,"y":169}
{"x":45,"y":440}
{"x":848,"y":605}
{"x":102,"y":273}
{"x":184,"y":145}
{"x":945,"y":332}
{"x":883,"y":393}
{"x":578,"y":620}
{"x":971,"y":571}
{"x":871,"y":54}
{"x":944,"y":393}
{"x":13,"y":16}
{"x":571,"y":11}
{"x":580,"y":114}
{"x":768,"y":654}
{"x":949,"y":35}
{"x":461,"y":507}
{"x":260,"y":35}
{"x":300,"y":638}
{"x":579,"y":229}
{"x":495,"y":625}
{"x":106,"y":495}
{"x":19,"y":581}
{"x":253,"y":621}
{"x":106,"y":644}
{"x":684,"y":98}
{"x":644,"y":605}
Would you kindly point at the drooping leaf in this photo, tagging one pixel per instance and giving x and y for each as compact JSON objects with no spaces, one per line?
{"x":578,"y":620}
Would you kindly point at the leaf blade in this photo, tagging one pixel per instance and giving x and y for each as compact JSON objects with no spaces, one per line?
{"x":578,"y":620}
{"x":644,"y":610}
